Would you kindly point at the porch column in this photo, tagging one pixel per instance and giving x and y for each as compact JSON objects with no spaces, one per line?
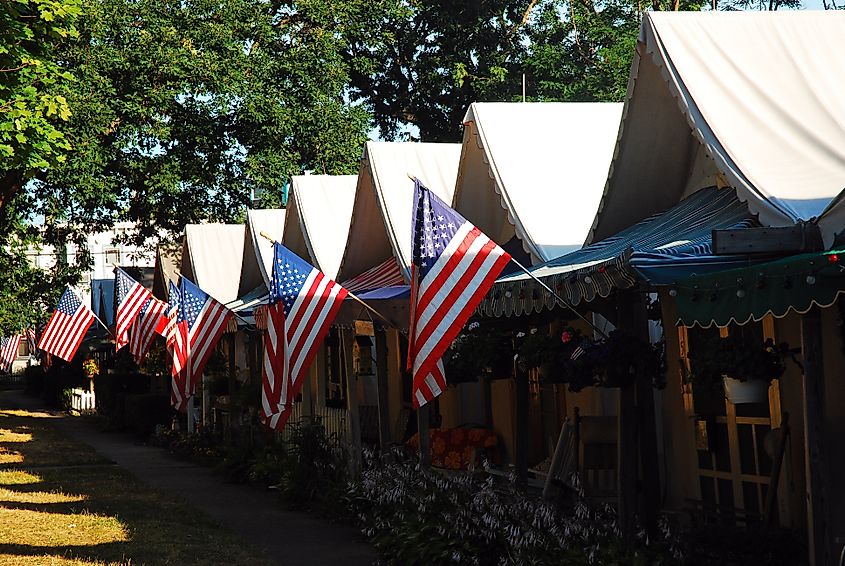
{"x":347,"y":337}
{"x":818,"y":524}
{"x":382,"y":382}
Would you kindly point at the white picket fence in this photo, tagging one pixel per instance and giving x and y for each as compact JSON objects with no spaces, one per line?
{"x":82,"y":400}
{"x":333,"y":420}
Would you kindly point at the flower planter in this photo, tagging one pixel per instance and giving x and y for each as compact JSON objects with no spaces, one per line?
{"x":741,"y":392}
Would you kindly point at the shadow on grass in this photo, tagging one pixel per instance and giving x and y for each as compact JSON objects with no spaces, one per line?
{"x":65,"y":500}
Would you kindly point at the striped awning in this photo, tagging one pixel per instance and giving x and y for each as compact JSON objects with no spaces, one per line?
{"x":659,"y":249}
{"x":385,"y":274}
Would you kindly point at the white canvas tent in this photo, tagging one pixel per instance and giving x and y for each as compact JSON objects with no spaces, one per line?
{"x":745,"y":99}
{"x":382,"y":212}
{"x":318,"y":219}
{"x":213,"y":258}
{"x":535,"y":170}
{"x":258,"y":250}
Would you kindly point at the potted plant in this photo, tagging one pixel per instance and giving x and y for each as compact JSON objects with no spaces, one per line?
{"x":477,"y":352}
{"x":537,"y":349}
{"x":742,"y":366}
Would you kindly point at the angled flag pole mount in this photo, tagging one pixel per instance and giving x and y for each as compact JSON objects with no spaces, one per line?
{"x":350,"y":294}
{"x":548,"y":289}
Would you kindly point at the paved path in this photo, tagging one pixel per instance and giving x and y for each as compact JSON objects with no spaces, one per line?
{"x":290,"y":538}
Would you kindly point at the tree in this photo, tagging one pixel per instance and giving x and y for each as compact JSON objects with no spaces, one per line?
{"x":432,"y":59}
{"x":181,"y":111}
{"x":31,"y":116}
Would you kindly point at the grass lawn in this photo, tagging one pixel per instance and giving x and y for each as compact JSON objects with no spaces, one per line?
{"x":63,"y":504}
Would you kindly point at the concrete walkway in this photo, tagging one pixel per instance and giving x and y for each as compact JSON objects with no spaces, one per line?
{"x":287,"y":538}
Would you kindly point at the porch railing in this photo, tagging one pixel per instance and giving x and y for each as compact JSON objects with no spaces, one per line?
{"x":333,"y":420}
{"x":82,"y":400}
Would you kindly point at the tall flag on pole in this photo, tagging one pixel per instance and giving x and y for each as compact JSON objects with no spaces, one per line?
{"x":200,"y":322}
{"x":303,"y":304}
{"x":9,"y":351}
{"x":176,"y":355}
{"x":67,"y":327}
{"x":131,"y":297}
{"x":144,"y":327}
{"x":454,"y":265}
{"x":32,"y":340}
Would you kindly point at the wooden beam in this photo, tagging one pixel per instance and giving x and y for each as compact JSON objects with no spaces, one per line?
{"x":352,"y":411}
{"x":818,"y":524}
{"x":382,"y":384}
{"x":522,"y":437}
{"x":627,"y":460}
{"x":783,"y":240}
{"x":423,"y":419}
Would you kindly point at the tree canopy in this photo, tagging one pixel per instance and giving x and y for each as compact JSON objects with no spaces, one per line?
{"x":167,"y":112}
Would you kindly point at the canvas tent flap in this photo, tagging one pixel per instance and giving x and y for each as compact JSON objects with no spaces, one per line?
{"x":383,"y":208}
{"x":760,"y":92}
{"x":213,"y":257}
{"x":739,"y":296}
{"x":317,"y":224}
{"x":677,"y":241}
{"x":259,"y":250}
{"x":536,"y":169}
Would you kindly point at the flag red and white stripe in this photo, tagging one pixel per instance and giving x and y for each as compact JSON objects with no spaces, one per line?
{"x":385,"y":274}
{"x":200,"y":322}
{"x":32,"y":340}
{"x":131,"y":297}
{"x":67,"y":327}
{"x":455,"y":265}
{"x":9,"y":351}
{"x":144,"y":328}
{"x":303,"y":304}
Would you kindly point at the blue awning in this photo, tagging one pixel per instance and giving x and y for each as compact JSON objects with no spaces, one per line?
{"x":660,"y":249}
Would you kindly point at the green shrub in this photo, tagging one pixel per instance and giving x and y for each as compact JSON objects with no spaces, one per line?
{"x":413,"y":515}
{"x":33,"y":380}
{"x":142,"y":412}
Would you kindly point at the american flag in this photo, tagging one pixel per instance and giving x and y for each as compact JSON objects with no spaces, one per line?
{"x":303,"y":304}
{"x":32,"y":340}
{"x":144,"y":327}
{"x":9,"y":351}
{"x":385,"y":274}
{"x":176,"y":355}
{"x":67,"y":327}
{"x":454,"y":265}
{"x":131,"y":297}
{"x":200,"y":322}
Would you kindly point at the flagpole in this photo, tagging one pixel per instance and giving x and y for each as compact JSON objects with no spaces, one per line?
{"x":559,"y":299}
{"x":350,"y":294}
{"x":242,"y":319}
{"x":93,"y":313}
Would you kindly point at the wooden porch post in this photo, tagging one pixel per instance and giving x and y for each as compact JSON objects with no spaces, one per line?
{"x":637,"y":439}
{"x":347,"y":337}
{"x":423,"y":418}
{"x":522,"y":402}
{"x":382,"y":382}
{"x":232,"y":379}
{"x":815,"y":462}
{"x":627,"y":459}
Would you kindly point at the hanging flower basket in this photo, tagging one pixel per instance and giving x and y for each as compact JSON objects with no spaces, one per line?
{"x":742,"y":392}
{"x":742,"y":366}
{"x":90,"y":368}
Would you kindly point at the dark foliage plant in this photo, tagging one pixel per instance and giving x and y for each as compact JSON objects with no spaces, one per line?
{"x":736,"y":356}
{"x":418,"y":516}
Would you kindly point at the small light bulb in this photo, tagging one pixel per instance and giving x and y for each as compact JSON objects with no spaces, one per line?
{"x":673,"y":292}
{"x":811,"y":279}
{"x":588,"y":279}
{"x":508,"y":294}
{"x":740,"y":293}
